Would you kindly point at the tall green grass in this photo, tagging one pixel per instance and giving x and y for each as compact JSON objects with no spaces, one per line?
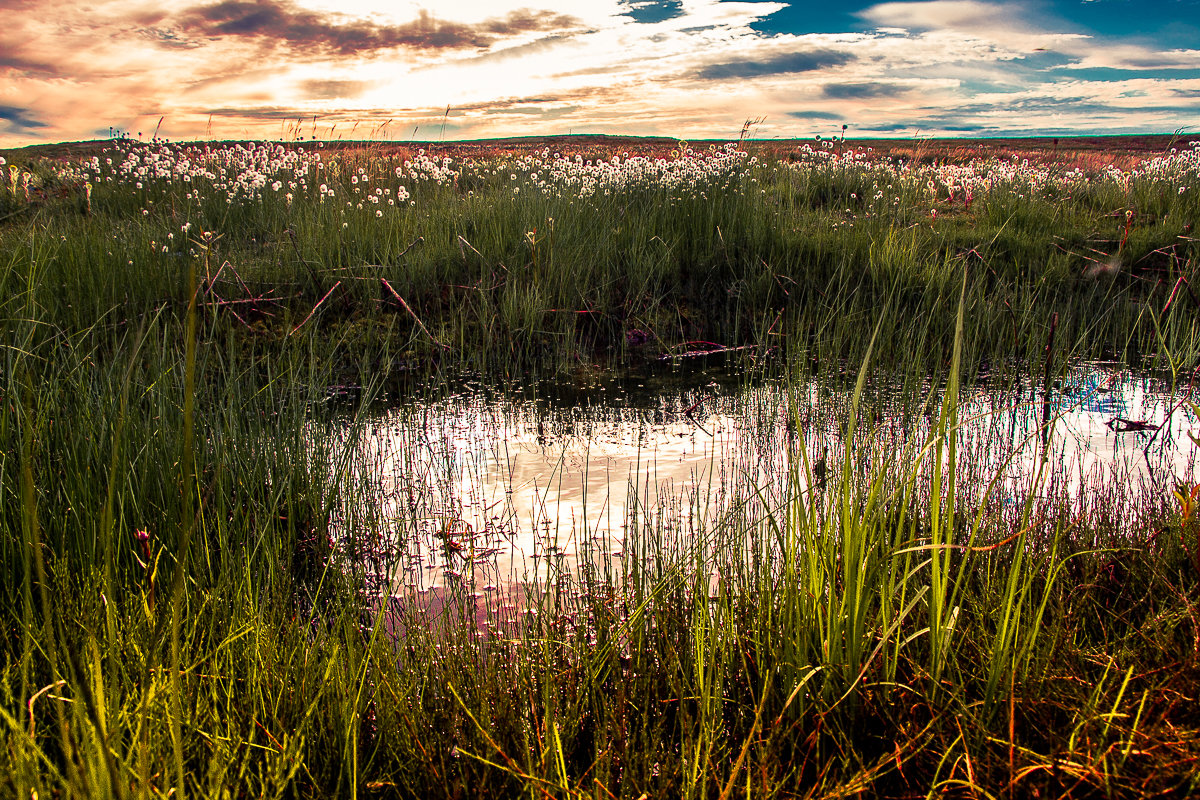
{"x":179,"y":620}
{"x":858,"y":639}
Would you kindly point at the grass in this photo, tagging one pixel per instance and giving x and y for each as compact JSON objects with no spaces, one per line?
{"x":563,"y":262}
{"x":178,"y":617}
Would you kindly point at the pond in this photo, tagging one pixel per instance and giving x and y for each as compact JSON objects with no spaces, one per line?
{"x":484,"y":492}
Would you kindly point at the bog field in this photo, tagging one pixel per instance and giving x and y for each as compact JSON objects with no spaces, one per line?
{"x":597,"y":467}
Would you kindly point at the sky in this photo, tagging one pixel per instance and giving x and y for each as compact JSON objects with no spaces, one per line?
{"x":693,"y":69}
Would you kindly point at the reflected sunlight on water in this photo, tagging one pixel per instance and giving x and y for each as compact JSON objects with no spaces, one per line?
{"x":489,"y":492}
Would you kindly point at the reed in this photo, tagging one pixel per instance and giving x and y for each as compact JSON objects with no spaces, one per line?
{"x":190,"y":543}
{"x":545,"y":260}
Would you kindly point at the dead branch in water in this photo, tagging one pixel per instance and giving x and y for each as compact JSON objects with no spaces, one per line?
{"x":314,"y":309}
{"x":413,"y":314}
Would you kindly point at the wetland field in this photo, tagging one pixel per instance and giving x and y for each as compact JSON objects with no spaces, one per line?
{"x":600,"y":467}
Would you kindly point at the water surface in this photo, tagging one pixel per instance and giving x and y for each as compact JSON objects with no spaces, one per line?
{"x":485,"y":491}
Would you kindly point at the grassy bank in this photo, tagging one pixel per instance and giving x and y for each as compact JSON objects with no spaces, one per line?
{"x":507,"y":262}
{"x":177,"y":618}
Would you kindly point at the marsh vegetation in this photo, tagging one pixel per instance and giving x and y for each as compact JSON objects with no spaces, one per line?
{"x":260,"y":534}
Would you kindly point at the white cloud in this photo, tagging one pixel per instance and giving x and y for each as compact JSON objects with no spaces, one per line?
{"x":961,"y":15}
{"x":1132,"y":57}
{"x":699,"y":73}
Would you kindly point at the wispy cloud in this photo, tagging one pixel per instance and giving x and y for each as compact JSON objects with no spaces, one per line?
{"x":963,"y":15}
{"x":332,"y":89}
{"x":19,"y":119}
{"x":13,"y":62}
{"x":277,"y":23}
{"x":863,"y":91}
{"x":814,"y":115}
{"x":782,"y":64}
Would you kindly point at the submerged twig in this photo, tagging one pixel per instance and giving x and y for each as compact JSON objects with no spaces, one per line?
{"x":221,"y":303}
{"x":403,"y":253}
{"x":1123,"y":425}
{"x":687,"y":412}
{"x":1187,"y":396}
{"x":314,"y":309}
{"x":716,"y":349}
{"x":413,"y":314}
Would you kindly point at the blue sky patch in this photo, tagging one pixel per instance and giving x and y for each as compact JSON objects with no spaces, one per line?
{"x":651,"y":11}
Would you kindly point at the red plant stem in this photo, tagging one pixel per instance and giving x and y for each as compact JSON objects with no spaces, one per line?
{"x":314,"y":309}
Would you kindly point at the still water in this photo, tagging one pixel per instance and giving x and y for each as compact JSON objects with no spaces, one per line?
{"x":492,"y":491}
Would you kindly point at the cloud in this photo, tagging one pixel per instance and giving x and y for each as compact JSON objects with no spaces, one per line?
{"x":1055,"y":104}
{"x":166,"y":37}
{"x":687,"y":68}
{"x":332,"y":89}
{"x":462,"y":112}
{"x":891,"y":127}
{"x":521,"y":50}
{"x":809,"y":61}
{"x":1059,"y":106}
{"x":941,"y":14}
{"x":1133,"y":58}
{"x":262,"y":113}
{"x":915,"y":126}
{"x":18,"y":119}
{"x":281,"y":23}
{"x":814,"y":115}
{"x":1014,"y":29}
{"x":548,"y":102}
{"x":11,"y":62}
{"x":863,"y":91}
{"x":1116,"y":74}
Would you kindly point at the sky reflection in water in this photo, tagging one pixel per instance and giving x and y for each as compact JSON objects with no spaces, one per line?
{"x":490,"y":492}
